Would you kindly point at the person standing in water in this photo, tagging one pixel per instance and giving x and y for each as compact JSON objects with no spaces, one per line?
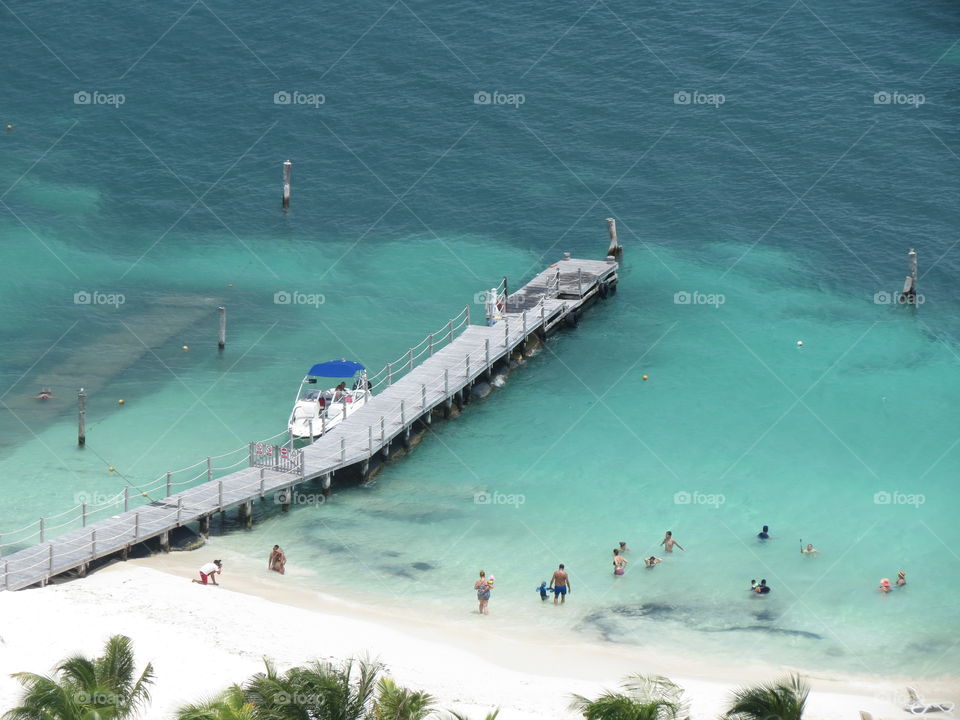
{"x":483,"y":587}
{"x":277,"y":559}
{"x":901,"y":578}
{"x":623,"y":547}
{"x":652,"y":561}
{"x":561,"y":584}
{"x":809,"y":549}
{"x":668,"y":542}
{"x":764,"y":534}
{"x":619,"y":563}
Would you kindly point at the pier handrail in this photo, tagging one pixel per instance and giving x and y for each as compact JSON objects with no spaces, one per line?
{"x":393,"y":371}
{"x":83,"y":512}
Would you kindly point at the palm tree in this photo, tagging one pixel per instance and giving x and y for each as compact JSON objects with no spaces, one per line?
{"x":318,"y":691}
{"x":640,"y":698}
{"x":101,"y":688}
{"x":231,"y":704}
{"x":458,"y":716}
{"x":782,"y":700}
{"x":398,"y":703}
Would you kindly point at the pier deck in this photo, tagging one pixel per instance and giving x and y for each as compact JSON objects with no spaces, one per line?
{"x":443,"y":377}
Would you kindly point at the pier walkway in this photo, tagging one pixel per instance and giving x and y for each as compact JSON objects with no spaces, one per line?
{"x":434,"y":375}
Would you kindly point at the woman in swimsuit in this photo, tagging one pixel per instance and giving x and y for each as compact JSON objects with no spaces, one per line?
{"x":482,"y":586}
{"x":619,"y":563}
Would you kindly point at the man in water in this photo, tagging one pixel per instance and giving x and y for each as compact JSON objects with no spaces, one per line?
{"x":623,"y":547}
{"x":762,"y":588}
{"x":561,"y":585}
{"x":208,"y":571}
{"x":668,"y":542}
{"x":277,"y":559}
{"x":765,"y":533}
{"x":44,"y":394}
{"x":651,"y":561}
{"x":809,"y":550}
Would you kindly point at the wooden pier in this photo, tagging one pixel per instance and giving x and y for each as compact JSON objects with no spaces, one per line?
{"x":430,"y":379}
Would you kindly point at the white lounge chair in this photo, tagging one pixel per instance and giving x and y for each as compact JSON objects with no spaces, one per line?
{"x":919,"y":706}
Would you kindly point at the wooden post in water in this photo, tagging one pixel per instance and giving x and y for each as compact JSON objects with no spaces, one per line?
{"x":287,"y":168}
{"x":83,"y":514}
{"x":42,"y":523}
{"x":431,"y":344}
{"x":81,"y":418}
{"x":909,"y":293}
{"x":165,"y":541}
{"x":168,"y":484}
{"x":205,"y":525}
{"x":615,"y":249}
{"x":222,"y":333}
{"x":126,"y":498}
{"x":389,"y":374}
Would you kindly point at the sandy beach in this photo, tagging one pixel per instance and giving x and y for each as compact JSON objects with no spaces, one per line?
{"x":201,"y":639}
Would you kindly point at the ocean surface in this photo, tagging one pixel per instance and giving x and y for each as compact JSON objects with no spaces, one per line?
{"x":769,"y":167}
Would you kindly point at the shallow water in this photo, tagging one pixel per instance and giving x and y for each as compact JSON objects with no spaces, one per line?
{"x":794,"y":201}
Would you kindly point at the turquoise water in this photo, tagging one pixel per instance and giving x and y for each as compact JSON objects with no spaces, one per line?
{"x":795,"y":200}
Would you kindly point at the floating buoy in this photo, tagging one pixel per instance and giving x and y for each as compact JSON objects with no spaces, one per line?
{"x":646,"y":377}
{"x":144,"y":494}
{"x":186,"y":347}
{"x":120,"y":401}
{"x":112,"y":468}
{"x":799,"y":343}
{"x":9,"y":127}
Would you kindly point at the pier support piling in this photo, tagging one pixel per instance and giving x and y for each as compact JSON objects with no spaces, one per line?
{"x":165,"y":542}
{"x":205,"y":525}
{"x":245,"y":514}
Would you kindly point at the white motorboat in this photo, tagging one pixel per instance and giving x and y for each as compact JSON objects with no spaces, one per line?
{"x":317,"y":411}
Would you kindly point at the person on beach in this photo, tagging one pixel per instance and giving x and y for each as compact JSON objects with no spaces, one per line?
{"x":809,"y":550}
{"x":561,"y":585}
{"x":277,"y":559}
{"x":619,"y":563}
{"x":208,"y":571}
{"x":765,"y":533}
{"x":652,"y":561}
{"x":885,"y":586}
{"x":668,"y":542}
{"x":483,"y":588}
{"x":762,"y":588}
{"x":44,"y":394}
{"x":901,"y":578}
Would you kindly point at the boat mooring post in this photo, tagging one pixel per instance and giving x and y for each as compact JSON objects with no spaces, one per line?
{"x":389,"y":374}
{"x":450,"y":331}
{"x":126,"y":498}
{"x":615,"y":249}
{"x":409,"y":359}
{"x":42,"y":523}
{"x":431,"y":344}
{"x":287,"y":168}
{"x":168,"y":484}
{"x":909,"y":292}
{"x":83,"y":514}
{"x":222,"y":333}
{"x":81,"y":418}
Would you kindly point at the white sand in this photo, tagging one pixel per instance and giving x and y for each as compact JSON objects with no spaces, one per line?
{"x":201,"y":639}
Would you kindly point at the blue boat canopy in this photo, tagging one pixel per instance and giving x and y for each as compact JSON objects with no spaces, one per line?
{"x":336,"y":369}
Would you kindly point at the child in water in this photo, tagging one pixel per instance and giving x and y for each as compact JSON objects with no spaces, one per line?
{"x":543,"y":590}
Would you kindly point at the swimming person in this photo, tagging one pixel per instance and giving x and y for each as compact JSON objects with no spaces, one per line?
{"x":483,"y":587}
{"x":884,"y":585}
{"x":44,"y":394}
{"x":561,"y":584}
{"x":619,"y":563}
{"x":809,"y":549}
{"x":762,"y":588}
{"x":652,"y":561}
{"x":901,"y":578}
{"x":208,"y":571}
{"x":765,"y":533}
{"x":277,"y":559}
{"x":623,"y":547}
{"x":668,"y":542}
